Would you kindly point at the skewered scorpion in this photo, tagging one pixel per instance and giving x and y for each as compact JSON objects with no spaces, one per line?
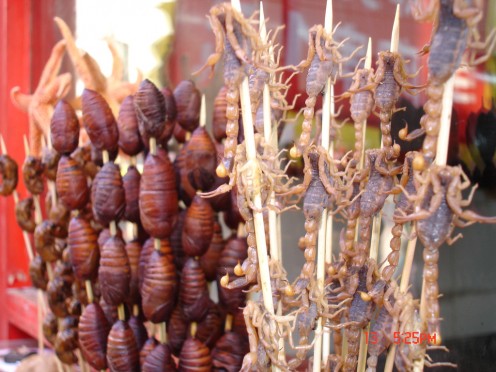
{"x":439,"y":203}
{"x":455,"y":29}
{"x":322,"y":59}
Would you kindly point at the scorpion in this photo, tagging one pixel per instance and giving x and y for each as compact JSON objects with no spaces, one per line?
{"x":402,"y":205}
{"x":438,"y":209}
{"x":235,"y":38}
{"x":392,"y":317}
{"x":390,"y":78}
{"x":322,"y":58}
{"x":455,"y":30}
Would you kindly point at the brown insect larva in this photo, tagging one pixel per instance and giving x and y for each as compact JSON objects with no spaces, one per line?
{"x":105,"y":235}
{"x":82,"y":156}
{"x":186,"y":190}
{"x":57,"y":213}
{"x":200,"y":160}
{"x":131,"y":184}
{"x":147,"y":348}
{"x":110,"y":311}
{"x":193,"y":294}
{"x":234,"y":252}
{"x":99,"y":121}
{"x":133,"y":250}
{"x":211,"y":327}
{"x":107,"y":194}
{"x":38,"y":273}
{"x":139,"y":330}
{"x":24,"y":214}
{"x":122,"y":350}
{"x":32,"y":174}
{"x":159,"y":359}
{"x":149,"y":104}
{"x":64,"y":128}
{"x":45,"y":240}
{"x":170,"y":105}
{"x":127,"y":124}
{"x":114,"y":272}
{"x":176,"y":242}
{"x":177,"y":330}
{"x":58,"y":290}
{"x":146,"y":251}
{"x":8,"y":170}
{"x":158,"y":195}
{"x":210,"y":258}
{"x":228,"y":352}
{"x":159,"y":286}
{"x":50,"y":161}
{"x":83,"y":247}
{"x":71,"y":184}
{"x":65,"y":344}
{"x":219,"y":120}
{"x":198,"y":227}
{"x":93,"y":332}
{"x":188,"y":100}
{"x":50,"y":327}
{"x":195,"y":356}
{"x":179,"y":133}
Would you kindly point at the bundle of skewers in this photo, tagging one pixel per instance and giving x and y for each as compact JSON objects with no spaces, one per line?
{"x":131,"y":264}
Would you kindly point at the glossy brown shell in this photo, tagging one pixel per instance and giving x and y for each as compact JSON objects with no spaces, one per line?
{"x":186,"y":190}
{"x":209,"y":261}
{"x":159,"y":359}
{"x":229,"y":351}
{"x":65,"y":341}
{"x":50,"y":161}
{"x":57,"y":213}
{"x":188,"y":101}
{"x":198,"y":227}
{"x":93,"y":332}
{"x":149,"y":104}
{"x":71,"y":184}
{"x":83,"y":247}
{"x":107,"y":194}
{"x":219,"y":120}
{"x":201,"y":160}
{"x":109,"y":310}
{"x":8,"y":170}
{"x":58,"y":291}
{"x":104,"y":235}
{"x":82,"y":155}
{"x":114,"y":272}
{"x":24,"y":211}
{"x":32,"y":175}
{"x":127,"y":124}
{"x":64,"y":128}
{"x":239,"y":325}
{"x":133,"y":250}
{"x":147,"y":348}
{"x":159,"y":287}
{"x":122,"y":350}
{"x":139,"y":330}
{"x":50,"y":327}
{"x":131,"y":184}
{"x":99,"y":121}
{"x":195,"y":356}
{"x":177,"y":243}
{"x":145,"y":254}
{"x":158,"y":196}
{"x":38,"y":273}
{"x":211,"y":327}
{"x":193,"y":294}
{"x":46,"y":242}
{"x":177,"y":330}
{"x":235,"y":251}
{"x":170,"y":104}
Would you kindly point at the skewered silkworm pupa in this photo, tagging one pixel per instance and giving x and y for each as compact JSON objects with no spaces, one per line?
{"x":198,"y":227}
{"x":193,"y":294}
{"x":64,"y":128}
{"x":83,"y":248}
{"x":32,"y":174}
{"x":131,"y":184}
{"x":188,"y":100}
{"x":122,"y":350}
{"x":195,"y":356}
{"x":8,"y":170}
{"x":93,"y":331}
{"x":24,"y":214}
{"x":107,"y":194}
{"x":127,"y":124}
{"x":71,"y":184}
{"x":159,"y":359}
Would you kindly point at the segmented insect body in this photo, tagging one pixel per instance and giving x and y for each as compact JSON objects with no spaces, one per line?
{"x":390,"y":78}
{"x":380,"y":182}
{"x":402,"y":205}
{"x":360,"y":313}
{"x":361,"y":105}
{"x":439,"y":200}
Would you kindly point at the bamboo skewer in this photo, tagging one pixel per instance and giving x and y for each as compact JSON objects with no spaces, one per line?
{"x":322,"y":238}
{"x":257,"y":201}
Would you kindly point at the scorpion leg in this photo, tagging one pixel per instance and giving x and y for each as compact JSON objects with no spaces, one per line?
{"x":231,"y":36}
{"x":219,"y":46}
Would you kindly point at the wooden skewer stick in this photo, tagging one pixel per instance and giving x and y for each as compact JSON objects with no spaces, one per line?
{"x":251,"y":154}
{"x":322,"y":238}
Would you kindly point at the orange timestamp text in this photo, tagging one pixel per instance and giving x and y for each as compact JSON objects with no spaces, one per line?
{"x":407,"y":338}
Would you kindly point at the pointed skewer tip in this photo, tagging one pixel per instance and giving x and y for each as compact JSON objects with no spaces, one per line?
{"x":203,"y":112}
{"x":328,"y":17}
{"x":262,"y":27}
{"x":368,"y":56}
{"x":26,"y":146}
{"x":395,"y":34}
{"x":236,"y":4}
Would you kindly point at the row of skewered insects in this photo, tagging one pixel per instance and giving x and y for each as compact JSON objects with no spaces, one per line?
{"x":146,"y":279}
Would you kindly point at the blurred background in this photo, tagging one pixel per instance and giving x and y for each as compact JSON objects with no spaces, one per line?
{"x":168,"y":40}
